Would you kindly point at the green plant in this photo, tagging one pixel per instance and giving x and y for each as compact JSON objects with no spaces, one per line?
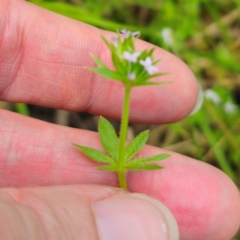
{"x":132,"y":69}
{"x":206,"y":39}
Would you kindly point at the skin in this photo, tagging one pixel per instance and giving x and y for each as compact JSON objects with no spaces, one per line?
{"x":42,"y":62}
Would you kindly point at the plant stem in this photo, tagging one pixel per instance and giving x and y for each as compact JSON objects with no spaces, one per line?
{"x":122,"y":139}
{"x":122,"y":179}
{"x":124,"y":126}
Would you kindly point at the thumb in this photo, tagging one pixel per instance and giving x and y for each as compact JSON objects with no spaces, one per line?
{"x":83,"y":212}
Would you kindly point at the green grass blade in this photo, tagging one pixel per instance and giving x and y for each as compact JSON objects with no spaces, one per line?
{"x":22,"y":109}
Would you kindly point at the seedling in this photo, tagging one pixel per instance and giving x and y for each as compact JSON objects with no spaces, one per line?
{"x":133,"y":69}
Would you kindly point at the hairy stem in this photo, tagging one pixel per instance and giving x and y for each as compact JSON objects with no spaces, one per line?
{"x":122,"y":139}
{"x":124,"y":126}
{"x":122,"y":179}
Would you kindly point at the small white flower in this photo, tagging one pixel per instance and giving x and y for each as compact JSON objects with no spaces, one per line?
{"x":167,"y":36}
{"x":213,"y":96}
{"x":126,"y":33}
{"x":147,"y":64}
{"x":130,"y":57}
{"x":230,"y":108}
{"x":131,"y":76}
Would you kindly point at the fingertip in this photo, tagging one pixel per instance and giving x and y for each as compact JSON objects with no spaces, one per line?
{"x":204,"y":200}
{"x":199,"y":101}
{"x":134,"y":216}
{"x":173,"y":230}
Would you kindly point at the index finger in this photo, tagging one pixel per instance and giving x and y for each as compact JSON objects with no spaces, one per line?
{"x":42,"y":63}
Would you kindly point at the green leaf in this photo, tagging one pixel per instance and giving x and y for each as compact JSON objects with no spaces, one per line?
{"x":157,"y":61}
{"x":128,"y":44}
{"x":143,"y":78}
{"x":146,"y":54}
{"x":115,"y":57}
{"x":136,"y":145}
{"x":110,"y":45}
{"x":153,"y":83}
{"x":140,"y":161}
{"x":118,"y":64}
{"x":159,"y":74}
{"x":108,"y":137}
{"x":108,"y":168}
{"x":99,"y":62}
{"x":119,"y":46}
{"x":95,"y":155}
{"x":144,"y":167}
{"x":107,"y":73}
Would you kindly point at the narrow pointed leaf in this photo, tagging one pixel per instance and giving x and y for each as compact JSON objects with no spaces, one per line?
{"x":157,"y":61}
{"x":144,"y":167}
{"x":108,"y":137}
{"x":108,"y":168}
{"x":99,"y":62}
{"x":155,"y":158}
{"x":153,"y":83}
{"x":118,"y":64}
{"x":136,"y":145}
{"x":107,"y":73}
{"x":95,"y":155}
{"x":115,"y":58}
{"x":159,"y":74}
{"x":110,"y":45}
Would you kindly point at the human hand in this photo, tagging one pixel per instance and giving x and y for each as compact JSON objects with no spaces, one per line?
{"x":41,"y":61}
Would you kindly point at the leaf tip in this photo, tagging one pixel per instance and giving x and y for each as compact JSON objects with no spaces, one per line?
{"x":74,"y":144}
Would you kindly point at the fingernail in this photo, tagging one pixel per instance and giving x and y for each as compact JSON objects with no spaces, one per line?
{"x":199,"y":100}
{"x":134,"y":216}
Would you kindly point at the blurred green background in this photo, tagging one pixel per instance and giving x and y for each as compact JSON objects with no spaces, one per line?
{"x":203,"y":33}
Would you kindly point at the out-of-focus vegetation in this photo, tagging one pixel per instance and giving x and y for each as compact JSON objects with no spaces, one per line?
{"x":203,"y":33}
{"x":206,"y":35}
